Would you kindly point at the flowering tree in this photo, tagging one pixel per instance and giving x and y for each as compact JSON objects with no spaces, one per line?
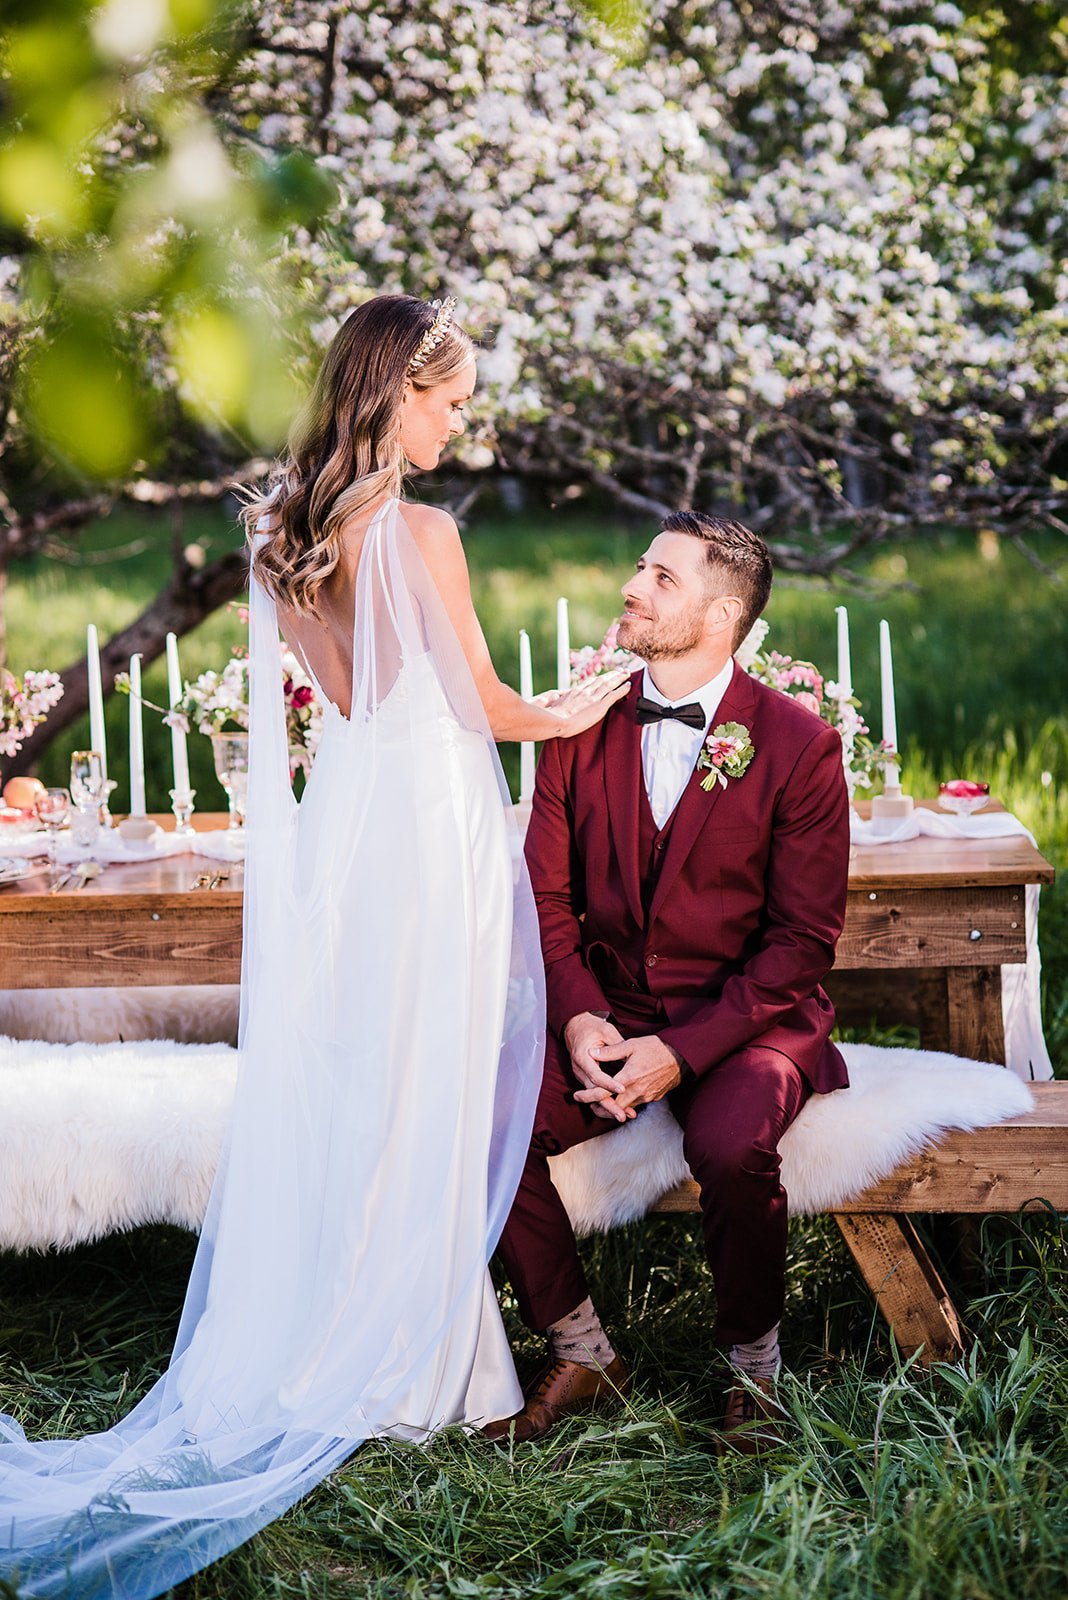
{"x":806,"y":259}
{"x":799,"y":260}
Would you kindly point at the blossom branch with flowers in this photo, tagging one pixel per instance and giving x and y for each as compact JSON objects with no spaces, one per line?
{"x":24,"y":703}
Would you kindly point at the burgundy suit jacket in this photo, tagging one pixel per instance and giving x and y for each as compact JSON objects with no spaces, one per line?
{"x":749,"y":901}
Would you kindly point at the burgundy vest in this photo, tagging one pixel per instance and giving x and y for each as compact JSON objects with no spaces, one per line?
{"x":636,"y":1009}
{"x":652,"y":843}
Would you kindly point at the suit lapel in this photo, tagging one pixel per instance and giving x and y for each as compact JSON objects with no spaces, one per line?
{"x":697,"y":805}
{"x":622,"y":780}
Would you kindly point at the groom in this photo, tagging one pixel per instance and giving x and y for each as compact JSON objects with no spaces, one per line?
{"x":688,"y":913}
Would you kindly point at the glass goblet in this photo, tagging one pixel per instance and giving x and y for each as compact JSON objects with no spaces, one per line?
{"x":53,"y":810}
{"x":231,"y":768}
{"x":86,"y":777}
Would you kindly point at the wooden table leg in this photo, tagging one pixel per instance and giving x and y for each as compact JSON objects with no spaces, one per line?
{"x":906,"y":1286}
{"x":976,"y":1028}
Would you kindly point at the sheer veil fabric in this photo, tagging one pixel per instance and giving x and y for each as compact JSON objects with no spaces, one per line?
{"x":340,"y":1288}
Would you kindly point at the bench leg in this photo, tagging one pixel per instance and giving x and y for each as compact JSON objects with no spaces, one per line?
{"x":906,"y":1286}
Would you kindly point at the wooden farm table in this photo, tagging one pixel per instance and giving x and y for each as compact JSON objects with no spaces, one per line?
{"x":929,"y":925}
{"x":137,"y":923}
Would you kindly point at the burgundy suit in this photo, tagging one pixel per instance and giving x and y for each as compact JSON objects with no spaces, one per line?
{"x":712,"y":932}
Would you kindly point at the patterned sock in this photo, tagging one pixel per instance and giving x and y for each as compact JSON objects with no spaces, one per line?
{"x":762,"y":1358}
{"x":579,"y":1337}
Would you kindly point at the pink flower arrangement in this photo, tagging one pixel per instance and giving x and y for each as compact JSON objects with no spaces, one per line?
{"x":721,"y":750}
{"x":25,"y":702}
{"x":590,"y":662}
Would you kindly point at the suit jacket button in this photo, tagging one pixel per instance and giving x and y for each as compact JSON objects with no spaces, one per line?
{"x":650,"y":961}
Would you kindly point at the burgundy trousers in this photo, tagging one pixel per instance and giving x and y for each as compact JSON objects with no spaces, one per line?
{"x":732,"y":1120}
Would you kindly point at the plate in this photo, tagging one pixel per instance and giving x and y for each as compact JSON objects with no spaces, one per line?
{"x":16,"y":824}
{"x":12,"y":868}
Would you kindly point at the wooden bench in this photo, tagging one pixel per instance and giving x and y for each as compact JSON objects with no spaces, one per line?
{"x":1019,"y":1163}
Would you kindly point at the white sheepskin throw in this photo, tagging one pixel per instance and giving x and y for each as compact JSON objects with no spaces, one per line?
{"x":200,"y":1015}
{"x":898,"y":1101}
{"x":96,"y":1138}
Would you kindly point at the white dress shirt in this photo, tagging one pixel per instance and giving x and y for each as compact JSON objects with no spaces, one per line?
{"x":670,"y":749}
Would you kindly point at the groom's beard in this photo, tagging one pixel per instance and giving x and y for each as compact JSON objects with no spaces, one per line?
{"x":661,"y":641}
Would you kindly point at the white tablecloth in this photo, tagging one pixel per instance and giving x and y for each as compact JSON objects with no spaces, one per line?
{"x":1021,"y":1002}
{"x":111,"y":847}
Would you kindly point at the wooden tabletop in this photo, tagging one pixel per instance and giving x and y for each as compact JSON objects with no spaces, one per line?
{"x":916,"y":864}
{"x":165,"y":880}
{"x":946,"y":863}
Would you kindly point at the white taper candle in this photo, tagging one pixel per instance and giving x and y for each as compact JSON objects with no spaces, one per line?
{"x":97,"y":739}
{"x":563,"y":646}
{"x":137,"y":742}
{"x":526,"y":689}
{"x":845,"y":686}
{"x":845,"y":669}
{"x":891,"y":772}
{"x":179,"y":752}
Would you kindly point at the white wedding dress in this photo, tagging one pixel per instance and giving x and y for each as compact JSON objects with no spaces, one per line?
{"x":391,"y":1039}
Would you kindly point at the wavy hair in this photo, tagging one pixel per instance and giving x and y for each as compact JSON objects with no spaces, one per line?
{"x":344,"y":451}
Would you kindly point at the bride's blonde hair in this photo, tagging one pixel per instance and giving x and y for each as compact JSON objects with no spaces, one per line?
{"x":344,"y":451}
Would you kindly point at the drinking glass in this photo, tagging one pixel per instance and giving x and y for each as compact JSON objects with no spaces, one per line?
{"x":53,"y":809}
{"x":231,"y":768}
{"x":86,"y":777}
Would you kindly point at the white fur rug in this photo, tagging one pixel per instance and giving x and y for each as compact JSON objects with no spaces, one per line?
{"x":201,"y":1014}
{"x":898,"y":1102}
{"x":95,"y":1138}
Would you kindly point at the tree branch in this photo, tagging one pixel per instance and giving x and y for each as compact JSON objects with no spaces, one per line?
{"x":25,"y":534}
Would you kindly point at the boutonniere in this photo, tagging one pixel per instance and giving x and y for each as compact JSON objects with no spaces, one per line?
{"x":726,"y":753}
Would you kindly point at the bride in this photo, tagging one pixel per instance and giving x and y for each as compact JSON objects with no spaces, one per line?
{"x":391,"y":1018}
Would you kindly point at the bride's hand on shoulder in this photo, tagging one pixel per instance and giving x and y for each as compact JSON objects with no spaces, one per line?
{"x":583,"y":706}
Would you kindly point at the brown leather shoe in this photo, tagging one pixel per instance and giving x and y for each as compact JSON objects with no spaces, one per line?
{"x":753,"y":1420}
{"x":561,"y":1389}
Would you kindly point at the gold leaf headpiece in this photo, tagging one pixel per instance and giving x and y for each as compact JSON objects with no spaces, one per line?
{"x":435,"y":334}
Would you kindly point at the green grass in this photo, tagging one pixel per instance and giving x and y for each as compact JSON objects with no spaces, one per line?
{"x":894,"y":1484}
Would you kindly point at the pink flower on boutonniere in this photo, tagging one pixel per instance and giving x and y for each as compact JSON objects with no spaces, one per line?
{"x":726,"y":753}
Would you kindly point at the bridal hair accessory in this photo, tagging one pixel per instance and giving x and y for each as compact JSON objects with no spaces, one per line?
{"x":435,"y":334}
{"x":726,"y":753}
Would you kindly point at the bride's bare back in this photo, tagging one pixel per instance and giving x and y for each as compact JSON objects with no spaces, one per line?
{"x":323,"y":639}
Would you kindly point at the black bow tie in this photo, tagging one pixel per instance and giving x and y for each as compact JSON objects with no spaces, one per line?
{"x":650,"y":711}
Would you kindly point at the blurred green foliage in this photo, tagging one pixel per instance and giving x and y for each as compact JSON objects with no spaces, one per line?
{"x":146,"y":244}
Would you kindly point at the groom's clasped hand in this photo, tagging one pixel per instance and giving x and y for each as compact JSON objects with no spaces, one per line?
{"x":618,"y":1075}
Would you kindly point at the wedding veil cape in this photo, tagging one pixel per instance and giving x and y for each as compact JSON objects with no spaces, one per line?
{"x":379,"y":1129}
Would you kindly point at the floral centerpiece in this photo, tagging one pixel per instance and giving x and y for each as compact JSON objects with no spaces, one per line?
{"x":861,"y":757}
{"x":218,"y":702}
{"x":25,"y":702}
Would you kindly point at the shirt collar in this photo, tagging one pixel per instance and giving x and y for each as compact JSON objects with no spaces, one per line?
{"x":708,"y":696}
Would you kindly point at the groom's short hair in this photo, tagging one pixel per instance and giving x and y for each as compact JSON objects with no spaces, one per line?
{"x":734,"y":551}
